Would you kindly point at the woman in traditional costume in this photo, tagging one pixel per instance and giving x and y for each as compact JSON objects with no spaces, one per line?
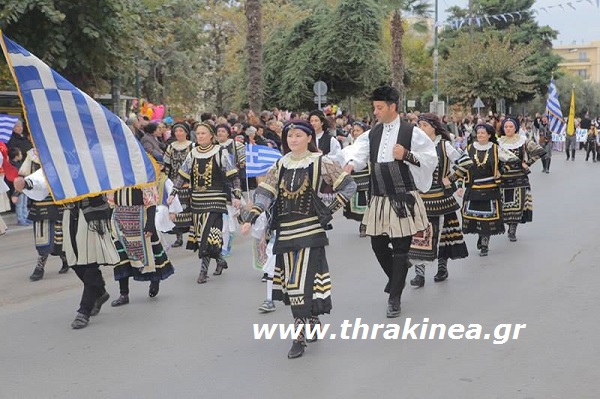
{"x":174,"y":156}
{"x":356,"y":207}
{"x":482,"y":205}
{"x":443,"y":239}
{"x":301,"y":273}
{"x":141,"y":253}
{"x":517,"y":204}
{"x":211,"y":176}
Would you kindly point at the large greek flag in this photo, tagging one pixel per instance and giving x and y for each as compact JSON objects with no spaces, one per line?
{"x":259,"y":159}
{"x":83,"y":147}
{"x":7,"y":123}
{"x":556,"y":122}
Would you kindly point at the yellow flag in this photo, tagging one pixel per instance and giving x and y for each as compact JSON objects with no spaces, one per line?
{"x":571,"y":123}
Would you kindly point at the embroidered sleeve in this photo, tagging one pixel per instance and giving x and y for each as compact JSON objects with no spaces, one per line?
{"x":534,"y":152}
{"x":264,"y":195}
{"x":342,"y":183}
{"x":231,"y":174}
{"x":167,"y":159}
{"x":462,"y":162}
{"x":241,"y":152}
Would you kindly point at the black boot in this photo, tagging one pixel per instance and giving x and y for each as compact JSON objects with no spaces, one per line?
{"x":221,"y":264}
{"x":121,"y":300}
{"x":64,"y":268}
{"x":485,"y":241}
{"x":442,"y":273}
{"x":512,"y":232}
{"x":153,"y":290}
{"x":179,"y":241}
{"x":419,"y":280}
{"x":479,"y":243}
{"x":393,"y":309}
{"x":297,"y":349}
{"x":38,"y":274}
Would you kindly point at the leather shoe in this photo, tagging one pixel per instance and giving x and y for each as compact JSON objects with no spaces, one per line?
{"x":121,"y":300}
{"x":98,"y":304}
{"x":393,"y":309}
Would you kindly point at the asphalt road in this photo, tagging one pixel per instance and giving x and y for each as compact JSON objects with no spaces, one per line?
{"x":197,"y":341}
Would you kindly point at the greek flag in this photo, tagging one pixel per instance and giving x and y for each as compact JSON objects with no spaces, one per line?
{"x":259,"y":159}
{"x":84,"y":149}
{"x":556,"y":123}
{"x":7,"y":123}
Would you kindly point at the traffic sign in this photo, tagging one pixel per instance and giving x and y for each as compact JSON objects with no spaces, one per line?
{"x":320,"y":99}
{"x":478,"y":103}
{"x":320,"y":88}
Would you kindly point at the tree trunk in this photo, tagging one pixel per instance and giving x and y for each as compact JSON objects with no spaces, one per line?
{"x":397,"y":31}
{"x":254,"y":48}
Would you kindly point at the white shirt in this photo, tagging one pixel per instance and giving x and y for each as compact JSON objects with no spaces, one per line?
{"x":335,"y":150}
{"x":421,"y":147}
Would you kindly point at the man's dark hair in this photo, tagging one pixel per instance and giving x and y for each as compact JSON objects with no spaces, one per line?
{"x":205,"y":116}
{"x":388,"y":94}
{"x":150,"y":128}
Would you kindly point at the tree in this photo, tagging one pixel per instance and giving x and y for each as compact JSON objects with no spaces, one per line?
{"x":254,"y":47}
{"x":341,"y":47}
{"x":419,"y":8}
{"x":524,"y":31}
{"x":489,"y":67}
{"x":87,"y":42}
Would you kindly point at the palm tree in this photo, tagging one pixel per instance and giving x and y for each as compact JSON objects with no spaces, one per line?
{"x":254,"y":48}
{"x":418,"y":8}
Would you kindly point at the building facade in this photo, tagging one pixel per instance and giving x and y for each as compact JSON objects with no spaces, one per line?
{"x":582,"y":60}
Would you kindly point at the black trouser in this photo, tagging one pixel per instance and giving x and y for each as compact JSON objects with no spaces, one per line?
{"x":591,"y":147}
{"x":93,"y":286}
{"x":393,"y":261}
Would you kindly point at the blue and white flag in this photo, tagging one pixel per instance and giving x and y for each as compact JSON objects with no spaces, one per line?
{"x":7,"y":123}
{"x":556,"y":122}
{"x":259,"y":159}
{"x":84,"y":149}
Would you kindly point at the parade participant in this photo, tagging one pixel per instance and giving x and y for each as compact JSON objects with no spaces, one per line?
{"x":591,"y":142}
{"x":166,"y":212}
{"x":47,"y":222}
{"x":571,"y":142}
{"x":443,"y":238}
{"x":301,"y":273}
{"x":326,"y":143}
{"x":482,"y":207}
{"x":208,"y":170}
{"x":141,"y":253}
{"x":402,"y":160}
{"x":175,"y":154}
{"x":356,"y":207}
{"x":237,"y":153}
{"x":87,"y":243}
{"x":517,"y":202}
{"x":545,"y":140}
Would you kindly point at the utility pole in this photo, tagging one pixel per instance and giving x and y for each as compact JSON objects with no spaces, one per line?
{"x":435,"y":58}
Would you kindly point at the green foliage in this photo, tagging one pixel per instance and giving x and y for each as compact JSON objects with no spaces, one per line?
{"x":587,"y":96}
{"x":524,"y":31}
{"x":87,"y":42}
{"x":489,"y":67}
{"x":340,"y":47}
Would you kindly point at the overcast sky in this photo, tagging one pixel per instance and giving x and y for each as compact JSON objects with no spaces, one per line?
{"x":581,"y":25}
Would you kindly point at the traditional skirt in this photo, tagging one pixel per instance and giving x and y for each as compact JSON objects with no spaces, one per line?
{"x":140,"y":257}
{"x":206,"y":234}
{"x":87,"y":243}
{"x":183,"y":220}
{"x":381,"y":219}
{"x":517,"y":202}
{"x":439,"y":243}
{"x":48,"y":236}
{"x":482,"y":216}
{"x":355,"y":209}
{"x":302,"y":281}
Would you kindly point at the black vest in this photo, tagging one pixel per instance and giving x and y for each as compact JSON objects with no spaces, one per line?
{"x":380,"y":172}
{"x":325,"y":143}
